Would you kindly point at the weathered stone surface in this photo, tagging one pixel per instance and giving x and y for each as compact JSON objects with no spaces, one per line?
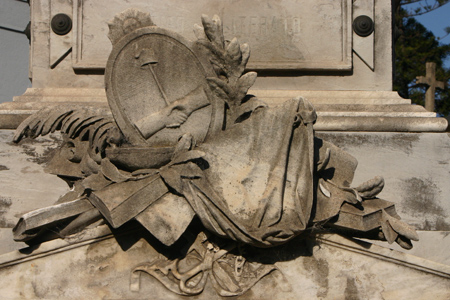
{"x":330,"y":267}
{"x":24,"y":184}
{"x":415,"y":168}
{"x":413,"y":152}
{"x":282,"y":32}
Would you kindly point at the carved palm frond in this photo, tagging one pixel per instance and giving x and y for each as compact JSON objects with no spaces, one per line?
{"x":229,"y":59}
{"x":93,"y":124}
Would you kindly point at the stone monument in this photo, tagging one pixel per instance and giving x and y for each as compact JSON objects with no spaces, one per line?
{"x":430,"y":80}
{"x":349,"y":80}
{"x":190,"y":185}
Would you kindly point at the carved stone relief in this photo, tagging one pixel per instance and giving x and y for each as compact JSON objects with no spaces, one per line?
{"x":185,"y":141}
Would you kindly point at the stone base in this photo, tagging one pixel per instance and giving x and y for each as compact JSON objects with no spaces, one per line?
{"x":378,"y":111}
{"x":96,"y":265}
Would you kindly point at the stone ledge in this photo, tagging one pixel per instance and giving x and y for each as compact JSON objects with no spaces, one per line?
{"x":333,"y":97}
{"x":376,"y":111}
{"x":381,"y":124}
{"x":57,"y":94}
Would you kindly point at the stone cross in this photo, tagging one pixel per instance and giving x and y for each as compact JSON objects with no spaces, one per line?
{"x":430,"y":80}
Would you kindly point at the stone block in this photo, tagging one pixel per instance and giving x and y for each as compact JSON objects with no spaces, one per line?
{"x":283,"y":36}
{"x":327,"y":267}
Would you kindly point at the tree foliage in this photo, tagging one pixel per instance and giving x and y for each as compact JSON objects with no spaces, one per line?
{"x":414,"y":47}
{"x":421,"y":6}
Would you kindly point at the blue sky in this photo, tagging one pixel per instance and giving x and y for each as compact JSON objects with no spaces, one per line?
{"x":436,"y":21}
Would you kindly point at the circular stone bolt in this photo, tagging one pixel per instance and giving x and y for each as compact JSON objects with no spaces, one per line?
{"x":61,"y":24}
{"x":363,"y":26}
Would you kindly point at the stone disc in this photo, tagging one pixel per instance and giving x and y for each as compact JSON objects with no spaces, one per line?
{"x":134,"y":91}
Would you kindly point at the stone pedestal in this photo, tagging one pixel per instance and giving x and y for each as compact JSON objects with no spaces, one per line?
{"x":337,"y":110}
{"x":308,"y":49}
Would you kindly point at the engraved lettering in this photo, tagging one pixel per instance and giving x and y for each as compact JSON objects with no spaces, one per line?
{"x":296,"y":22}
{"x":274,"y":25}
{"x":254,"y":26}
{"x":242,"y":25}
{"x":262,"y":26}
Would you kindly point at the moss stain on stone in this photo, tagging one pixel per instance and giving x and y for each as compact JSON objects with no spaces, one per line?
{"x":420,"y":199}
{"x":320,"y":270}
{"x":5,"y":204}
{"x":351,"y":290}
{"x":401,"y":141}
{"x":49,"y":143}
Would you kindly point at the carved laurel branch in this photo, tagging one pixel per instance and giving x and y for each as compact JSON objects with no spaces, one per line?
{"x":229,"y":59}
{"x":92,"y":124}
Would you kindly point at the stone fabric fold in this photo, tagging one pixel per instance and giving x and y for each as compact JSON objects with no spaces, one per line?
{"x":258,"y":184}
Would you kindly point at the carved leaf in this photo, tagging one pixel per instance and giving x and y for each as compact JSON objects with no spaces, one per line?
{"x":50,"y":119}
{"x":199,"y":32}
{"x":57,"y":124}
{"x":245,"y":83}
{"x":97,"y":123}
{"x":388,"y":232}
{"x":220,"y":88}
{"x":371,"y":188}
{"x":99,"y":141}
{"x":245,"y":50}
{"x":247,"y":108}
{"x":110,"y":171}
{"x":93,"y":136}
{"x":402,"y":228}
{"x":213,"y":30}
{"x":218,"y":65}
{"x":67,"y":122}
{"x":76,"y":125}
{"x":83,"y":124}
{"x":44,"y":127}
{"x":228,"y":60}
{"x":234,"y":51}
